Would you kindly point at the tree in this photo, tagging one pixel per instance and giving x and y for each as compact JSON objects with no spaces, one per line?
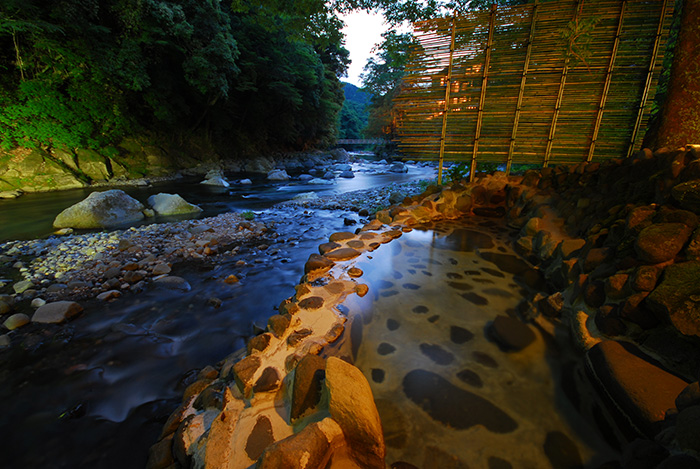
{"x":678,"y":122}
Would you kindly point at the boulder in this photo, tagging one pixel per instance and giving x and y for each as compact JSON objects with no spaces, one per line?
{"x":688,"y":195}
{"x":306,"y":391}
{"x":641,"y":391}
{"x":351,"y":405}
{"x":398,"y":168}
{"x":56,"y":312}
{"x":260,"y":164}
{"x":171,"y":204}
{"x":677,"y":298}
{"x":15,"y":321}
{"x":216,"y":181}
{"x":278,"y":175}
{"x":245,"y":182}
{"x":311,"y":447}
{"x":101,"y":210}
{"x":347,"y":174}
{"x":661,"y":242}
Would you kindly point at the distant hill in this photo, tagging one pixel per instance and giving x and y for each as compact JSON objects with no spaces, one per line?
{"x":354,"y":114}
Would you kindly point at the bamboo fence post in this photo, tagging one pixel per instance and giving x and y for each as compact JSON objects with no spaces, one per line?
{"x":606,"y":88}
{"x":650,"y":76}
{"x":448,"y":85}
{"x":557,"y":106}
{"x":484,"y":81}
{"x":518,"y":106}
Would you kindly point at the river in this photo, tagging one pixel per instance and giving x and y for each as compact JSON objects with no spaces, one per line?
{"x":96,"y":392}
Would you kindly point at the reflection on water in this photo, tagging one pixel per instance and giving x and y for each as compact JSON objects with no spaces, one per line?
{"x":448,"y":395}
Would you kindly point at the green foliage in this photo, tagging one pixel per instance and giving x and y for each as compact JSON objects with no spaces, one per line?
{"x":458,"y":171}
{"x":353,"y":115}
{"x":248,"y":215}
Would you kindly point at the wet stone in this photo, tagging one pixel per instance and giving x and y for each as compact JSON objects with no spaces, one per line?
{"x":397,"y":275}
{"x":389,"y":293}
{"x":385,"y":349}
{"x":452,"y":406}
{"x":484,"y":359}
{"x":427,"y":274}
{"x":278,"y":324}
{"x":471,"y":378}
{"x":561,"y":451}
{"x":327,"y":247}
{"x":259,"y":343}
{"x":384,"y":284}
{"x":454,"y":275}
{"x":494,"y":272}
{"x":460,"y":286}
{"x":355,"y":272}
{"x":420,"y":309}
{"x":411,"y":286}
{"x":460,"y":335}
{"x":306,"y":392}
{"x":506,"y":262}
{"x":498,"y":463}
{"x":356,"y":244}
{"x":317,"y":262}
{"x":437,"y":354}
{"x":268,"y":381}
{"x":342,"y":254}
{"x":511,"y":333}
{"x":341,"y":236}
{"x":260,"y":438}
{"x":377,"y":375}
{"x":313,"y":302}
{"x":297,"y":336}
{"x":434,"y":318}
{"x":475,"y":298}
{"x":392,"y":324}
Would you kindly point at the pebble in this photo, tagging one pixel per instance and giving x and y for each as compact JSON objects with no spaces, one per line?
{"x":4,"y":341}
{"x":15,"y":321}
{"x":37,"y":302}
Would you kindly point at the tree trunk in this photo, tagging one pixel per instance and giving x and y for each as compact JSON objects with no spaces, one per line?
{"x":679,"y":124}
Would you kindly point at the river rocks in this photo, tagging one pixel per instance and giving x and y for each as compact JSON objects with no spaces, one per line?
{"x":398,"y":168}
{"x":11,"y":194}
{"x":171,"y":204}
{"x":217,"y":181}
{"x":22,"y":286}
{"x":352,"y":406}
{"x":278,"y":175}
{"x":311,"y":447}
{"x":306,"y":391}
{"x":101,"y":210}
{"x":172,"y":282}
{"x":15,"y":321}
{"x":56,"y":312}
{"x":677,"y":298}
{"x":688,"y":195}
{"x":661,"y":242}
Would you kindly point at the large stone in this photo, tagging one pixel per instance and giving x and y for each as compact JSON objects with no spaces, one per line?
{"x":351,"y":404}
{"x":101,"y":210}
{"x":171,"y":204}
{"x":688,"y":195}
{"x":641,"y":391}
{"x":677,"y":298}
{"x":56,"y":312}
{"x":661,"y":242}
{"x":306,"y":391}
{"x":217,"y":181}
{"x":688,"y":428}
{"x":278,"y":175}
{"x":311,"y":447}
{"x":15,"y":321}
{"x":317,"y":262}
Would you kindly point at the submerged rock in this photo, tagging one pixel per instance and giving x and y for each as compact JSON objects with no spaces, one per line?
{"x":101,"y":210}
{"x":278,"y":175}
{"x":171,"y":204}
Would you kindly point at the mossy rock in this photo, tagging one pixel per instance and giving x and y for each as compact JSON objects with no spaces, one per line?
{"x":688,"y":195}
{"x":677,"y":298}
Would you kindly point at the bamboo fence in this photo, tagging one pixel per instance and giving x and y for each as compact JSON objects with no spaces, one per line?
{"x":548,"y":82}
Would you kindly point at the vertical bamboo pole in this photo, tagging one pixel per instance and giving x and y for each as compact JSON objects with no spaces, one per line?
{"x":650,"y":76}
{"x":523,"y":79}
{"x":606,"y":88}
{"x":448,"y":85}
{"x":484,"y":80}
{"x":557,"y":106}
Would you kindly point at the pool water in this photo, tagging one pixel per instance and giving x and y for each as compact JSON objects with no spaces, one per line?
{"x":448,"y":395}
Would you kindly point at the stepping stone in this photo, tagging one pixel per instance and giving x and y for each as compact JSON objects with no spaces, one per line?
{"x":512,"y":333}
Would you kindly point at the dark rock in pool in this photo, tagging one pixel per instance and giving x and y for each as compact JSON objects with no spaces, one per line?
{"x":389,"y":293}
{"x":437,"y":354}
{"x":385,"y":349}
{"x":420,"y":309}
{"x":561,"y":451}
{"x":392,"y":324}
{"x":378,"y":375}
{"x":475,"y":298}
{"x":460,"y":286}
{"x":453,"y":406}
{"x":434,"y":318}
{"x":460,"y":335}
{"x":260,"y":438}
{"x":465,"y":241}
{"x":411,"y":286}
{"x":498,"y":463}
{"x":484,"y":359}
{"x":471,"y":378}
{"x":506,"y":262}
{"x":511,"y":333}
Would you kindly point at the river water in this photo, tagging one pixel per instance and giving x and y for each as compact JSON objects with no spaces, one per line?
{"x":96,"y":392}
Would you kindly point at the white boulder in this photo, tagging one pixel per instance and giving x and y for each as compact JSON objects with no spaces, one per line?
{"x":101,"y":210}
{"x":171,"y":204}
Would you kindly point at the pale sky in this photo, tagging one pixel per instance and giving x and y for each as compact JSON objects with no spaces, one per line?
{"x":362,"y":32}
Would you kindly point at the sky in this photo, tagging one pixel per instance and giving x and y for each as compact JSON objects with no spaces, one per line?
{"x":362,"y":32}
